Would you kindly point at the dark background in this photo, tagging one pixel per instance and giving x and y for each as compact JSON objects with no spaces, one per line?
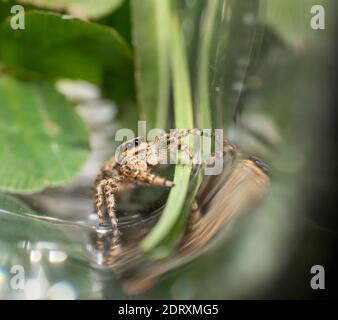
{"x":318,"y":241}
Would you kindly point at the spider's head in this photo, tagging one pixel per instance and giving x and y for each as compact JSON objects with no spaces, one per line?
{"x":132,"y":146}
{"x":130,"y":149}
{"x":137,"y":153}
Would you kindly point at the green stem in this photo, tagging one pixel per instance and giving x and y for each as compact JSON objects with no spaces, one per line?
{"x":166,"y":233}
{"x":207,"y":28}
{"x":150,"y":21}
{"x":163,"y":238}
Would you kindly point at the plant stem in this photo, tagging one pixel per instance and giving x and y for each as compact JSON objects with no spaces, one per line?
{"x":166,"y":233}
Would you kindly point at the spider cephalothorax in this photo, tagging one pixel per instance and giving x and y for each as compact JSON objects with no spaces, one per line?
{"x":138,"y":154}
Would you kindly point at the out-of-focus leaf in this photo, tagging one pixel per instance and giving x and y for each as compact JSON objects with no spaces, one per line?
{"x":190,"y":13}
{"x":266,"y":81}
{"x":78,"y":8}
{"x":236,"y":35}
{"x":120,"y":20}
{"x":150,"y":23}
{"x":54,"y":46}
{"x":203,"y":96}
{"x":43,"y":141}
{"x":5,"y":10}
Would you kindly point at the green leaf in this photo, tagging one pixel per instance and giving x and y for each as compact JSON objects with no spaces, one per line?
{"x":5,"y":10}
{"x":57,"y":47}
{"x":237,"y":33}
{"x":163,"y":237}
{"x":150,"y":25}
{"x":78,"y":8}
{"x":43,"y":141}
{"x":207,"y":29}
{"x":120,"y":20}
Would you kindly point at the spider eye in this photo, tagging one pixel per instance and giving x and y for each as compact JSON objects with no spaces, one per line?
{"x":136,"y":142}
{"x":130,"y":145}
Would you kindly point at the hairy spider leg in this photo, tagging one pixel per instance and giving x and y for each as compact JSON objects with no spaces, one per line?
{"x":111,"y":188}
{"x":146,"y":176}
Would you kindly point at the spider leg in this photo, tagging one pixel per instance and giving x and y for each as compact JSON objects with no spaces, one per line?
{"x":174,"y":145}
{"x":229,"y":150}
{"x":182,"y":147}
{"x":182,"y":133}
{"x":174,"y":140}
{"x":107,"y":255}
{"x":110,"y":190}
{"x":99,"y":199}
{"x":98,"y":189}
{"x":148,"y":177}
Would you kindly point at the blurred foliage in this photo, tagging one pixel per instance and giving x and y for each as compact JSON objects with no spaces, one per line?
{"x":77,"y":49}
{"x":150,"y":21}
{"x":237,"y":42}
{"x":120,"y":20}
{"x":43,"y":140}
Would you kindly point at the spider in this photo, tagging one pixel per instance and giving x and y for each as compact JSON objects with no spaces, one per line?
{"x":134,"y":164}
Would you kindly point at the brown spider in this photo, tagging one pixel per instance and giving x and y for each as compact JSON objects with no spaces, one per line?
{"x":134,"y":163}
